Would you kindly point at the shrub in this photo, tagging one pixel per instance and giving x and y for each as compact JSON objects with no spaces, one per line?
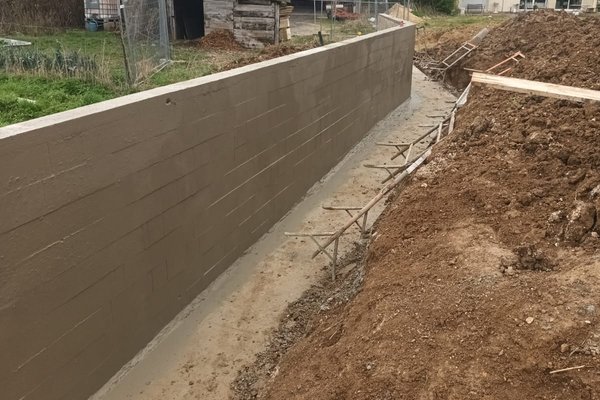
{"x":36,"y":15}
{"x":435,"y":6}
{"x":58,"y":63}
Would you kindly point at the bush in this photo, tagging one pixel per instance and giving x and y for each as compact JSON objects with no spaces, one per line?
{"x":435,"y":6}
{"x":35,"y":15}
{"x":445,"y":6}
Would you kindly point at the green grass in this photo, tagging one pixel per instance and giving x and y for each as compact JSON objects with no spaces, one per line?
{"x":51,"y":94}
{"x":448,"y":22}
{"x":27,"y":94}
{"x":343,"y":29}
{"x":26,"y":97}
{"x":188,"y":63}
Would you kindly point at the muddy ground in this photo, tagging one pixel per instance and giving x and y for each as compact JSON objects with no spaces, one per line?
{"x":482,"y":278}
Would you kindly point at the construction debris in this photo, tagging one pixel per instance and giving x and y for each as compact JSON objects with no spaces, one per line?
{"x":514,"y":59}
{"x":4,"y":42}
{"x":438,"y":69}
{"x":396,"y":173}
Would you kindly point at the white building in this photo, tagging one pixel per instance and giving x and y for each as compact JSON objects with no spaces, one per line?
{"x":492,"y":6}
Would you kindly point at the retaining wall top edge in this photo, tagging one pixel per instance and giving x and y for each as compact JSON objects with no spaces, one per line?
{"x":54,"y":119}
{"x":389,"y":17}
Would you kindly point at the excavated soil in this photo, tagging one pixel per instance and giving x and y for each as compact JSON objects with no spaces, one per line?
{"x":299,"y":321}
{"x":559,"y":48}
{"x":482,"y":279}
{"x":225,"y":53}
{"x":436,"y":44}
{"x":219,"y":40}
{"x":271,"y":51}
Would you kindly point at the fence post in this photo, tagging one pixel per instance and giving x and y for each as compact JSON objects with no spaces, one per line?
{"x":128,"y":76}
{"x":163,"y":29}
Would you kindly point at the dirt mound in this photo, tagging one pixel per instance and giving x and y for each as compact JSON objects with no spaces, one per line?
{"x":473,"y":287}
{"x":559,"y":48}
{"x":483,"y":278}
{"x":435,"y":43}
{"x":399,"y":11}
{"x":270,"y":52}
{"x":299,"y":321}
{"x":219,"y":40}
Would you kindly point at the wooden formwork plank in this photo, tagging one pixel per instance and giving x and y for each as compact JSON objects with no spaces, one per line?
{"x":536,"y":88}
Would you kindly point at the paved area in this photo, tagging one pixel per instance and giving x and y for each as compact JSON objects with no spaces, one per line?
{"x":198,"y":354}
{"x":304,"y":23}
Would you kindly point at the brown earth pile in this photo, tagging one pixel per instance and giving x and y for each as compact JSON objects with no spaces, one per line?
{"x":483,"y":277}
{"x":559,"y":48}
{"x":225,"y":53}
{"x":219,"y":40}
{"x":270,"y":52}
{"x":436,"y":44}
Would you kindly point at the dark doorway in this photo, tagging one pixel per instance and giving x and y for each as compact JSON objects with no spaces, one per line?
{"x":189,"y":19}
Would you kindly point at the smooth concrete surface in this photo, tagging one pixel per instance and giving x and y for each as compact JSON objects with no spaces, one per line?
{"x":385,"y":21}
{"x":199,"y":353}
{"x":113,"y":217}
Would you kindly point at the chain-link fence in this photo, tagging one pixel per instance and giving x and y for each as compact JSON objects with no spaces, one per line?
{"x":339,"y":20}
{"x":145,"y":37}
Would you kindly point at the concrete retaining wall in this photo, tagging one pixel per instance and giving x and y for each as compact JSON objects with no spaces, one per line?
{"x":114,"y":216}
{"x":385,"y":21}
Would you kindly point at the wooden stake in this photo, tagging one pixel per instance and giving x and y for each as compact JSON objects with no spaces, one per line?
{"x":556,"y":371}
{"x":385,"y":190}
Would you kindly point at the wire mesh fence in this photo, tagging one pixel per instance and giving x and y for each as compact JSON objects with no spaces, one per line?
{"x":338,"y":20}
{"x":102,"y":9}
{"x":145,"y":37}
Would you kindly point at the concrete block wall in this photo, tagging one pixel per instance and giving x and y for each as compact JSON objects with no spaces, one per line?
{"x":114,"y":216}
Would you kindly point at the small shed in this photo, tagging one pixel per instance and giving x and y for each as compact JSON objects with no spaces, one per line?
{"x":254,"y":23}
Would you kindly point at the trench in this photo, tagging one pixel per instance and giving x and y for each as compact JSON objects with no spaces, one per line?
{"x":199,"y":354}
{"x":116,"y":216}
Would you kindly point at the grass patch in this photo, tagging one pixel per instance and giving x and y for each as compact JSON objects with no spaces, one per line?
{"x":45,"y":72}
{"x":449,"y":22}
{"x":106,"y":46}
{"x":344,"y":29}
{"x":189,"y":62}
{"x":26,"y":97}
{"x":60,"y":63}
{"x":27,"y":93}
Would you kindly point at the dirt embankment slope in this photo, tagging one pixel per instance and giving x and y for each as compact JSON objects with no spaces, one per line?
{"x":483,"y":277}
{"x":559,"y":48}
